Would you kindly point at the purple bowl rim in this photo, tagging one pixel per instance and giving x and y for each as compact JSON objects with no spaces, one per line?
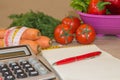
{"x":100,"y":16}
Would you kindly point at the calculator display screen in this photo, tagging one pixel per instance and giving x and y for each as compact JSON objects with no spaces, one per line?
{"x":12,"y":54}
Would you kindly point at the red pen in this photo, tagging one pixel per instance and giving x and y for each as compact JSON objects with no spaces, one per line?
{"x":77,"y":58}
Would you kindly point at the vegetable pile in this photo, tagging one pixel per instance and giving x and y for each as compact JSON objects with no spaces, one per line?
{"x":63,"y":31}
{"x":99,"y":7}
{"x":44,"y":23}
{"x":71,"y":28}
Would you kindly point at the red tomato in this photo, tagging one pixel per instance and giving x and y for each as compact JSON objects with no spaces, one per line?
{"x":74,"y":22}
{"x":97,"y":7}
{"x":85,"y":34}
{"x":63,"y":34}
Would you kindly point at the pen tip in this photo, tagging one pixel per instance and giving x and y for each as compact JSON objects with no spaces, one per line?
{"x":53,"y":64}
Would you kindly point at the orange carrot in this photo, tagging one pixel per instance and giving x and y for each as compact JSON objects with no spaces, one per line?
{"x":33,"y":45}
{"x":44,"y":42}
{"x":2,"y":33}
{"x":1,"y":43}
{"x":31,"y":34}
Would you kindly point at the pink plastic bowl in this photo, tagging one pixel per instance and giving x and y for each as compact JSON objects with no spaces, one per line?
{"x":103,"y":24}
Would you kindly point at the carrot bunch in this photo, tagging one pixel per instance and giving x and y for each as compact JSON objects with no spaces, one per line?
{"x":24,"y":36}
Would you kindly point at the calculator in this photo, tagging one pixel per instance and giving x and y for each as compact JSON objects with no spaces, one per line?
{"x":19,"y":63}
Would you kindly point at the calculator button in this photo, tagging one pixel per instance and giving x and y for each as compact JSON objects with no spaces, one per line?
{"x":27,"y":66}
{"x":17,"y":71}
{"x":6,"y":73}
{"x":40,"y":69}
{"x":3,"y":66}
{"x":33,"y":60}
{"x":21,"y":75}
{"x":33,"y":73}
{"x":29,"y":69}
{"x":9,"y":77}
{"x":4,"y":69}
{"x":23,"y":62}
{"x":16,"y":67}
{"x":13,"y":64}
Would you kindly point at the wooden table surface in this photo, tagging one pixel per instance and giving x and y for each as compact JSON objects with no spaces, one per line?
{"x":111,"y":44}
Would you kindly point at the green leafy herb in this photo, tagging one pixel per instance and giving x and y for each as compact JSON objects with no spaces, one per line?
{"x":80,"y":5}
{"x":46,"y":24}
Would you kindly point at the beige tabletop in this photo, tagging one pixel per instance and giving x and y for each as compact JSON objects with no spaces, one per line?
{"x":111,"y":44}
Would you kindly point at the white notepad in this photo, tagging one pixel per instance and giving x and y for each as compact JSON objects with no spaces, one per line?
{"x":103,"y":67}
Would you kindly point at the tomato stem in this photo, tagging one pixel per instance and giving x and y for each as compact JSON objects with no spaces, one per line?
{"x":66,"y":34}
{"x":101,"y":5}
{"x":86,"y":31}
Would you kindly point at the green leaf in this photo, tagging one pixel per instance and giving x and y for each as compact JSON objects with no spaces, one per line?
{"x":80,"y":5}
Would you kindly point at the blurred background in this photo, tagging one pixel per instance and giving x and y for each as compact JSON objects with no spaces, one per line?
{"x":55,"y":8}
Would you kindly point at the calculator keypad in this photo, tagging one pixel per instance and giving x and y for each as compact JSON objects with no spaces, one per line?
{"x":13,"y":70}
